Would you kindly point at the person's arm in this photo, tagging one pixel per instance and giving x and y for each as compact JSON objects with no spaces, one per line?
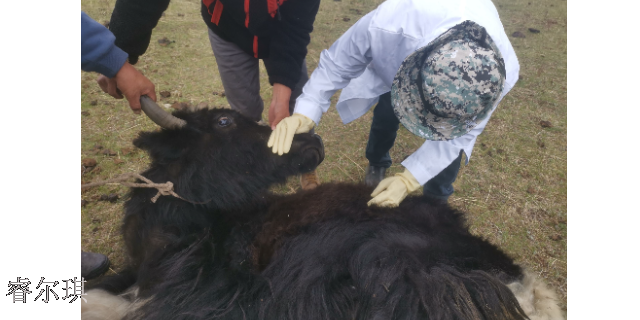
{"x":130,"y":83}
{"x":288,"y":47}
{"x":279,"y":107}
{"x":421,"y":166}
{"x":99,"y":53}
{"x":428,"y":161}
{"x":433,"y":156}
{"x":289,"y":38}
{"x":347,"y":58}
{"x":132,"y":22}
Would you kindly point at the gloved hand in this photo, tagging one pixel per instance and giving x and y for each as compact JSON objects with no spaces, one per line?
{"x":392,"y":190}
{"x":282,"y":137}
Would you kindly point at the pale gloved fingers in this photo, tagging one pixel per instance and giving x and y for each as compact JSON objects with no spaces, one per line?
{"x":382,"y":185}
{"x":288,"y":141}
{"x":286,"y":137}
{"x":391,"y":191}
{"x":281,"y":138}
{"x":391,"y":197}
{"x":382,"y":203}
{"x":296,"y":123}
{"x":282,"y":132}
{"x":275,"y":136}
{"x":377,"y":201}
{"x":392,"y":194}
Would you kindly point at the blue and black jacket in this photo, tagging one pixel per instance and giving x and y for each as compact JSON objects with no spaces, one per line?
{"x":277,"y":31}
{"x":99,"y":53}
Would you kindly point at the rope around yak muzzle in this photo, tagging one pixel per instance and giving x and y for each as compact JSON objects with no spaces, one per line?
{"x":164,"y":189}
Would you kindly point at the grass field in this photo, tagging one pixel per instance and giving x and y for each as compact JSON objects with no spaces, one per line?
{"x":514,"y":188}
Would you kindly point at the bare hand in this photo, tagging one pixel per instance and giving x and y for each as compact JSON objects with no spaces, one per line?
{"x":130,"y":83}
{"x":279,"y":108}
{"x":109,"y":86}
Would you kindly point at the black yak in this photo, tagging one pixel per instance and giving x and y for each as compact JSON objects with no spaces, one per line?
{"x":239,"y":252}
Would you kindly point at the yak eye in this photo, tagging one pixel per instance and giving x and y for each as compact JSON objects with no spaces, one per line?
{"x":224,"y":121}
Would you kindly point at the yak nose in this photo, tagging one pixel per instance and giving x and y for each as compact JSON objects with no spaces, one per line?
{"x":314,"y":152}
{"x":320,"y":147}
{"x":310,"y":151}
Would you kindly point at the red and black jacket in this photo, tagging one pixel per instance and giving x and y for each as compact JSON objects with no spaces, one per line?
{"x":276,"y":31}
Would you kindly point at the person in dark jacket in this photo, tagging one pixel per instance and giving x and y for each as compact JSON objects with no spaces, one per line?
{"x":100,"y":54}
{"x":241,"y":33}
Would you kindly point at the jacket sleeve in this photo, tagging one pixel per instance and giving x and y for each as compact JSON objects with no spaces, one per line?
{"x":132,"y":22}
{"x":99,"y":53}
{"x":289,"y":41}
{"x":434,"y":156}
{"x":346,"y":59}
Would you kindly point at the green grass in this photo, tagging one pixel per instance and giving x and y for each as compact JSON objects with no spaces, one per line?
{"x":514,"y":188}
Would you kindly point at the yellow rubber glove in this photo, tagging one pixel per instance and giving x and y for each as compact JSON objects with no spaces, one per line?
{"x":392,"y":190}
{"x":282,"y":137}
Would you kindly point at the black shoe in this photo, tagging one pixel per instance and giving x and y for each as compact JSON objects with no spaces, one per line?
{"x":374,"y":175}
{"x":93,"y":265}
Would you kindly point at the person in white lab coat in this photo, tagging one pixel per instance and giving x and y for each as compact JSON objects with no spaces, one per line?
{"x":438,"y":67}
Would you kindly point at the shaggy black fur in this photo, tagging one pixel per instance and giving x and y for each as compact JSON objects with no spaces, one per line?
{"x":318,"y":254}
{"x":221,"y":162}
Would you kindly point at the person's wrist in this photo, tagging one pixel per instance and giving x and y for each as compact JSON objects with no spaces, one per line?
{"x":124,"y":70}
{"x":409,"y":180}
{"x":281,"y":93}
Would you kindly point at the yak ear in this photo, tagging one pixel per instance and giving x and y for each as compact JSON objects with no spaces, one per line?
{"x":164,"y":145}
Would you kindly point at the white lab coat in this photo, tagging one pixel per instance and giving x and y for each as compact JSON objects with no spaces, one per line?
{"x":365,"y":59}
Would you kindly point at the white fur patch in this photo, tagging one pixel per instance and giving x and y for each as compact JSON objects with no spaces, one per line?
{"x":536,"y":299}
{"x":102,"y":305}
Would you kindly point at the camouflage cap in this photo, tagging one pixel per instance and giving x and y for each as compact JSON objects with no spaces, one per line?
{"x":443,"y":90}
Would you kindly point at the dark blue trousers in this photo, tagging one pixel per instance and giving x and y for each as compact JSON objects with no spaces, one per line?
{"x":384,"y":128}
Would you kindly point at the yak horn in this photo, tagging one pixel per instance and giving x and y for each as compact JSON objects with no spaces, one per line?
{"x":159,"y":116}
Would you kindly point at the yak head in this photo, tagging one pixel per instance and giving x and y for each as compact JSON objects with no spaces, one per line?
{"x":220,"y":158}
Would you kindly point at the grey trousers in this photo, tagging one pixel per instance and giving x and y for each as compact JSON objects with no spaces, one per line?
{"x":240,"y":76}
